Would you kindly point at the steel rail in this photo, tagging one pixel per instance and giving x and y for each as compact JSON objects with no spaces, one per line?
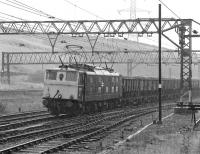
{"x":92,"y":134}
{"x":8,"y":116}
{"x":87,"y":124}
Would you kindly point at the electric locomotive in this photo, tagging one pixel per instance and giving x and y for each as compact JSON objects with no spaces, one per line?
{"x":81,"y":88}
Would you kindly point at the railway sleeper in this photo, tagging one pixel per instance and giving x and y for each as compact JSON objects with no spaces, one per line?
{"x":78,"y":132}
{"x":92,"y":134}
{"x":78,"y":139}
{"x":75,"y":147}
{"x":94,"y":139}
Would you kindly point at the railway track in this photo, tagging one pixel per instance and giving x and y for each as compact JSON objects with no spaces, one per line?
{"x":18,"y":116}
{"x":81,"y":142}
{"x":22,"y":122}
{"x":68,"y":136}
{"x":91,"y":136}
{"x":57,"y":124}
{"x":55,"y":131}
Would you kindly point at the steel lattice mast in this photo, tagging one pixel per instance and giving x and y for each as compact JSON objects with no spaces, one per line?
{"x":186,"y":57}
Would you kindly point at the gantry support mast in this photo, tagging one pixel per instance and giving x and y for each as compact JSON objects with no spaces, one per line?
{"x":186,"y":57}
{"x":110,"y":28}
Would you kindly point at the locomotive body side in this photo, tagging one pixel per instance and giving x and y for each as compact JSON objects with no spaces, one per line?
{"x":103,"y":86}
{"x":102,"y":90}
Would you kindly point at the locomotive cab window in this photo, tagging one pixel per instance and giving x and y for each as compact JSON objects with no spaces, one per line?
{"x":117,"y":79}
{"x":51,"y":75}
{"x":99,"y":90}
{"x":117,"y":88}
{"x":113,"y":89}
{"x":91,"y":79}
{"x":107,"y":89}
{"x":81,"y":78}
{"x":113,"y":79}
{"x":71,"y":76}
{"x":91,"y":90}
{"x":100,"y":79}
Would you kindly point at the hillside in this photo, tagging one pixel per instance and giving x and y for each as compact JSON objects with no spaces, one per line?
{"x":40,"y":43}
{"x":37,"y":43}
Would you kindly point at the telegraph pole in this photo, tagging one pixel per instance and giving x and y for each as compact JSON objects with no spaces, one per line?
{"x":159,"y":55}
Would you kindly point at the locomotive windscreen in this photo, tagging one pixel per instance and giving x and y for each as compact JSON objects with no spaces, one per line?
{"x":51,"y":74}
{"x":61,"y":75}
{"x":71,"y":76}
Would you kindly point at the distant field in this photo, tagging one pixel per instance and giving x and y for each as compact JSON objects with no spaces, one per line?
{"x":11,"y":101}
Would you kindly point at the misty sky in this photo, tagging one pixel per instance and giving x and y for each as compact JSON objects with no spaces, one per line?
{"x":106,"y":9}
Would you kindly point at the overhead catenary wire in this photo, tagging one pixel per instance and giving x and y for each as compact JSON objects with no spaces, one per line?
{"x":91,"y":13}
{"x":169,"y":9}
{"x":11,"y":16}
{"x":9,"y":19}
{"x":27,"y":8}
{"x":196,"y":22}
{"x":174,"y":12}
{"x":33,"y":9}
{"x":22,"y":9}
{"x":5,"y":18}
{"x":40,"y":37}
{"x":19,"y":19}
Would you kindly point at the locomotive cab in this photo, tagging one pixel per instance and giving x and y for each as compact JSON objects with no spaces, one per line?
{"x":60,"y":89}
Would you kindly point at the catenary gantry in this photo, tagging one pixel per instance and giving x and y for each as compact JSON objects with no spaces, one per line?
{"x":98,"y":57}
{"x":81,"y":27}
{"x":110,"y":28}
